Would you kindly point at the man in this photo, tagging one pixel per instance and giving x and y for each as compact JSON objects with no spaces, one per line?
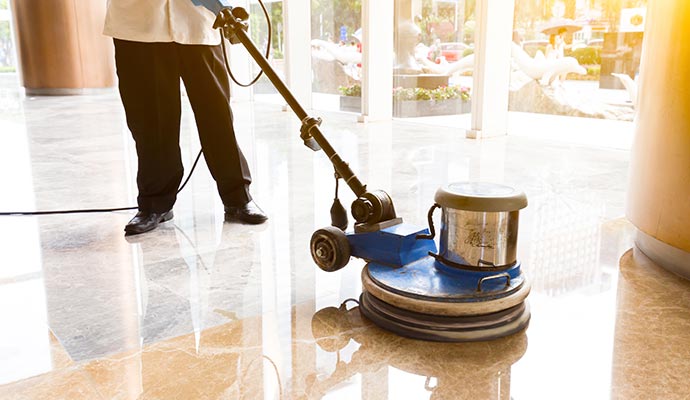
{"x":157,"y":42}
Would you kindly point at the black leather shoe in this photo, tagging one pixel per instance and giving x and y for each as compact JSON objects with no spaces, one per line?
{"x":249,"y":213}
{"x":146,"y":221}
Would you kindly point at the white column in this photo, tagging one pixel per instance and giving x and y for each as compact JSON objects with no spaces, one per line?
{"x":491,"y":68}
{"x":377,"y":60}
{"x":297,"y":34}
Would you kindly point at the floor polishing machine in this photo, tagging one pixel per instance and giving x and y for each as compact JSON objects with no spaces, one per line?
{"x":470,"y":288}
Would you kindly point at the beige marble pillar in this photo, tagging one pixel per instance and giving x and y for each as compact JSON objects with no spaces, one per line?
{"x":659,"y":193}
{"x":61,"y":46}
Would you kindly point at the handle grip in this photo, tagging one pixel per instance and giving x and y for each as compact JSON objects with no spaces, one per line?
{"x":430,"y":217}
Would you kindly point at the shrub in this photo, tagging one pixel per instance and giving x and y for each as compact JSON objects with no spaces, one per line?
{"x":593,"y":70}
{"x":438,"y":94}
{"x":593,"y":74}
{"x":352,"y":90}
{"x":587,"y":55}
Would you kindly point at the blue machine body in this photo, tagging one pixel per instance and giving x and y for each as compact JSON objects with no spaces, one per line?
{"x":400,"y":263}
{"x":394,"y":246}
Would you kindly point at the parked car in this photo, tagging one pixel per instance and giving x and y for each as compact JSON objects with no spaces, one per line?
{"x":451,"y":51}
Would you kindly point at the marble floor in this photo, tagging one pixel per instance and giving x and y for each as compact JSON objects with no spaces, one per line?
{"x":202,"y":309}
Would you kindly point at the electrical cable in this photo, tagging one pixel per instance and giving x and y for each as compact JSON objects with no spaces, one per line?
{"x":266,"y":54}
{"x":101,"y":210}
{"x":95,"y":210}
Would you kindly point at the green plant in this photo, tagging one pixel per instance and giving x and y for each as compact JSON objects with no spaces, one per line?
{"x":593,"y":74}
{"x":439,"y":94}
{"x":411,"y":94}
{"x":593,"y":70}
{"x":586,"y":55}
{"x":352,"y":90}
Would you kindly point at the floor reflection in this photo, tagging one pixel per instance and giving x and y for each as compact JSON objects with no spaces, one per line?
{"x":403,"y":368}
{"x":200,"y":308}
{"x":557,"y":265}
{"x":651,"y":352}
{"x":342,"y":356}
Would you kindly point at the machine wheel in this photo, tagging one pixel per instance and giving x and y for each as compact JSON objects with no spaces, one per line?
{"x":330,"y":248}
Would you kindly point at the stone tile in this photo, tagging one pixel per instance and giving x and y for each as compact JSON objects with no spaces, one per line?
{"x":68,"y":384}
{"x":101,"y":316}
{"x":232,"y":361}
{"x":27,"y":347}
{"x":219,"y":362}
{"x":200,"y":308}
{"x":650,"y":357}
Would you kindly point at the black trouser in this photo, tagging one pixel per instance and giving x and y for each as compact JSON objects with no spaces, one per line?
{"x":149,"y":75}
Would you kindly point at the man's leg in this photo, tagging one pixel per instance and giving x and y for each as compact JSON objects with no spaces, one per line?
{"x":149,"y":83}
{"x":208,"y":89}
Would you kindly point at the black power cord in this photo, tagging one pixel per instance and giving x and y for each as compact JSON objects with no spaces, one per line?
{"x":266,"y":54}
{"x":101,"y":210}
{"x":95,"y":210}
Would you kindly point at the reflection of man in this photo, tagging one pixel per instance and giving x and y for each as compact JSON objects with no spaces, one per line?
{"x":191,"y":287}
{"x":157,"y":42}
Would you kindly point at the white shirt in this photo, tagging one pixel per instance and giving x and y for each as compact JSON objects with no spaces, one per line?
{"x":177,"y":21}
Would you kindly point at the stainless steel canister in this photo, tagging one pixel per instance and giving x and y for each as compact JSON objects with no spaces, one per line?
{"x":479,"y":223}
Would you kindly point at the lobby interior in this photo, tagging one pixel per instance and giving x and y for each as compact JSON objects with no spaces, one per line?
{"x":201,"y":308}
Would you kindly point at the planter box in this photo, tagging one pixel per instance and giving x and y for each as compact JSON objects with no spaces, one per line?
{"x":351,"y":104}
{"x":408,"y":109}
{"x":428,"y":108}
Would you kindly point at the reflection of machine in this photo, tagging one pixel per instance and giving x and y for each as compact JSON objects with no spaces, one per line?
{"x":453,"y":371}
{"x":473,"y":289}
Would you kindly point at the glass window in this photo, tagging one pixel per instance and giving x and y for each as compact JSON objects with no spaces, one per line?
{"x":7,"y":54}
{"x":336,"y":54}
{"x":434,"y":46}
{"x":577,"y":58}
{"x":263,"y":89}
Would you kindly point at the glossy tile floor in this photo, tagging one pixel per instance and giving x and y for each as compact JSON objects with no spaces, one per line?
{"x":202,"y":309}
